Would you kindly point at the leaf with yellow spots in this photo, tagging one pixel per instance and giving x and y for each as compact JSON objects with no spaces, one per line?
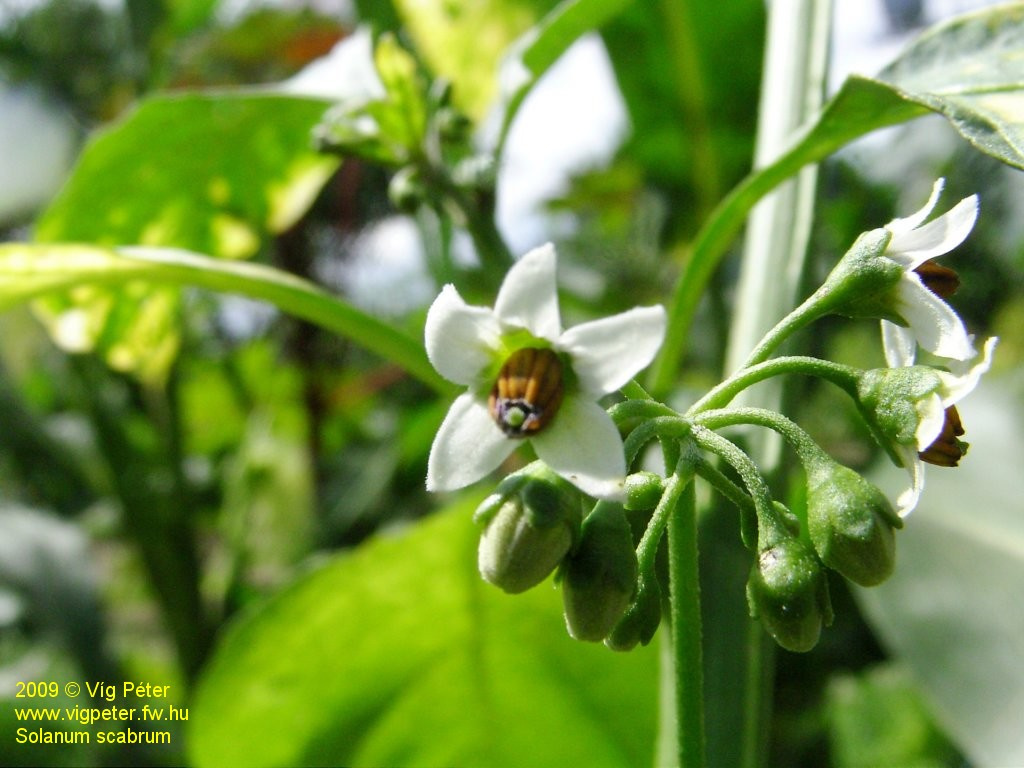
{"x":213,"y":172}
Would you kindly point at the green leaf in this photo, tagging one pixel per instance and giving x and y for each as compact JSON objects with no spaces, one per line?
{"x":969,"y":70}
{"x":210,"y":172}
{"x":952,"y":612}
{"x":405,"y":122}
{"x":399,"y":654}
{"x":30,"y":271}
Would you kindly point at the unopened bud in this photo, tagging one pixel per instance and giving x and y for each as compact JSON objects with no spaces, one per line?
{"x":643,"y":490}
{"x":599,"y":577}
{"x":788,"y":592}
{"x":851,"y":523}
{"x":531,"y":523}
{"x":640,"y":621}
{"x":407,"y":190}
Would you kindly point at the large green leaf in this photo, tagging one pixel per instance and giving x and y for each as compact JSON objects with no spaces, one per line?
{"x":29,"y":272}
{"x":211,"y":172}
{"x":952,"y":610}
{"x":399,"y":654}
{"x":970,"y":70}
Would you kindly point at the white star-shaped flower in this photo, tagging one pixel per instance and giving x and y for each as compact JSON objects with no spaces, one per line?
{"x":931,"y":322}
{"x":526,"y":377}
{"x":919,"y":404}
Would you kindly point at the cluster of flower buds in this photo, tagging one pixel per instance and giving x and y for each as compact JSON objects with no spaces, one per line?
{"x":533,"y":525}
{"x":527,"y":378}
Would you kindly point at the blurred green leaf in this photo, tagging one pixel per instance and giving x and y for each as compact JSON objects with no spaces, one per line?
{"x":211,"y":172}
{"x":693,"y":127}
{"x":463,"y":41}
{"x":975,"y":78}
{"x":406,"y":120}
{"x":952,"y":610}
{"x":30,"y":271}
{"x":878,"y":718}
{"x":399,"y":654}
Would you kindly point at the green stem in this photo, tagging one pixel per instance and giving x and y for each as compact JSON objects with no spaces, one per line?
{"x":843,"y":376}
{"x":804,"y":315}
{"x":685,"y":631}
{"x":802,"y":443}
{"x":771,"y":527}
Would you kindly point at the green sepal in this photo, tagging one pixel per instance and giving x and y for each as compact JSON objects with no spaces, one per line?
{"x":851,"y":523}
{"x":862,"y":283}
{"x":640,"y":621}
{"x":599,"y":577}
{"x":530,"y":523}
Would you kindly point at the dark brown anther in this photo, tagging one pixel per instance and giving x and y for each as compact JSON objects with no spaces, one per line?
{"x":947,"y":450}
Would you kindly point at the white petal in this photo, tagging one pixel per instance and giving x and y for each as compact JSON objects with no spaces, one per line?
{"x":897,"y":226}
{"x":935,"y":325}
{"x":907,"y":501}
{"x":936,"y":237}
{"x":963,"y":377}
{"x":609,"y":352}
{"x":528,"y":297}
{"x":931,"y":418}
{"x":460,"y":338}
{"x":467,"y":446}
{"x":583,"y":445}
{"x":898,"y":344}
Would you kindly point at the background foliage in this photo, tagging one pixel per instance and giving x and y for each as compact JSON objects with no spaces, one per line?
{"x":227,"y":495}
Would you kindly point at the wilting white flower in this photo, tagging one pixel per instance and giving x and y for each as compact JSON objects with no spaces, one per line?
{"x":527,"y":378}
{"x":919,"y":297}
{"x":914,"y":407}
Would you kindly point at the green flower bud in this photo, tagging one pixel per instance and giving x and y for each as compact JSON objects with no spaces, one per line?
{"x":851,"y":523}
{"x":643,"y":490}
{"x":788,"y":592}
{"x":640,"y":621}
{"x":407,"y":190}
{"x":530,"y":525}
{"x":599,"y":577}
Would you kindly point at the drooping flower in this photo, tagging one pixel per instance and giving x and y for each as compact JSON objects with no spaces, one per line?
{"x":914,"y":408}
{"x":527,"y":378}
{"x":924,"y":285}
{"x":889,"y":273}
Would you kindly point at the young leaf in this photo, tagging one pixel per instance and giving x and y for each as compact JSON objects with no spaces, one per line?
{"x":399,"y":654}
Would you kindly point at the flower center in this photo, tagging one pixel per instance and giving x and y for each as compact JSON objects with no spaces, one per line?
{"x":528,"y":391}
